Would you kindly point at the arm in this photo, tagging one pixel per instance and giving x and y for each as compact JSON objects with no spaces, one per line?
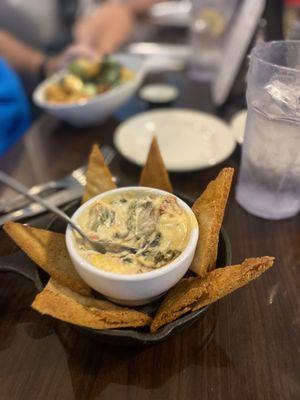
{"x":141,"y":6}
{"x":106,"y":28}
{"x":22,"y":58}
{"x":110,"y":25}
{"x":27,"y":62}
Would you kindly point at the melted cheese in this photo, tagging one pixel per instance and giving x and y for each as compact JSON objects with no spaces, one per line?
{"x":155,"y":225}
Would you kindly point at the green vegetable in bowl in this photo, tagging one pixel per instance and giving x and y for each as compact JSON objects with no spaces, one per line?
{"x":85,"y":69}
{"x":90,"y":89}
{"x":110,"y":72}
{"x":86,"y":79}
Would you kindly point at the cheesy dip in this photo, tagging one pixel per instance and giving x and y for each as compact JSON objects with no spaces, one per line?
{"x":154,"y":225}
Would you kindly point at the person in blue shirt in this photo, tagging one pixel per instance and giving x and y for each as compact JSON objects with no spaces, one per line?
{"x":14,"y":108}
{"x":103,"y":30}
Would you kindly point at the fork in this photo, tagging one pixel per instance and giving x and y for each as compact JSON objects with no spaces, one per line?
{"x":77,"y":177}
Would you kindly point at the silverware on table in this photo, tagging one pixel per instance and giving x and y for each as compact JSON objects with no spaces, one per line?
{"x":76,"y":178}
{"x":45,"y":190}
{"x":57,"y":199}
{"x":100,"y":246}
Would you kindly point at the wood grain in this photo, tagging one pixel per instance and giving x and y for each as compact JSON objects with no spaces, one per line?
{"x":245,"y":347}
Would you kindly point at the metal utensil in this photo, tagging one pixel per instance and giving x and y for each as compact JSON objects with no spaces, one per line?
{"x":44,"y":189}
{"x":98,"y":245}
{"x":75,"y":178}
{"x":57,"y":199}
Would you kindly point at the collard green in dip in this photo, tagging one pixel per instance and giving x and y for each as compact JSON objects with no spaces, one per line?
{"x":155,"y":225}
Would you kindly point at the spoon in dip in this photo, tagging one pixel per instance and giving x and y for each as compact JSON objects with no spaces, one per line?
{"x":98,"y":245}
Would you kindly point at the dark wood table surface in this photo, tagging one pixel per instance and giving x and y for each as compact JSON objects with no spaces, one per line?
{"x":246,"y":347}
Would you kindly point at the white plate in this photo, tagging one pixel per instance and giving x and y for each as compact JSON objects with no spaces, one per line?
{"x":238,"y":125}
{"x":188,"y":139}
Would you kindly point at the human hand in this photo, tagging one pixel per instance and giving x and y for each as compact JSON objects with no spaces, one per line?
{"x":69,"y":54}
{"x":106,"y":29}
{"x":141,"y":6}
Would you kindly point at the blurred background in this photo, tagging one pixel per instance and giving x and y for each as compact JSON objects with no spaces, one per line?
{"x":51,"y":27}
{"x":39,"y":38}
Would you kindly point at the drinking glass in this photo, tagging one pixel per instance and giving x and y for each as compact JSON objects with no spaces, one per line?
{"x":208,"y":32}
{"x":269,"y":179}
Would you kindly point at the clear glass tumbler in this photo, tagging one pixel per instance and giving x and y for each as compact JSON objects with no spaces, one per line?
{"x":269,"y":179}
{"x":208,"y":32}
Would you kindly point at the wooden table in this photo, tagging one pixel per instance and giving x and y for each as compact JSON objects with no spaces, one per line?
{"x":246,"y":347}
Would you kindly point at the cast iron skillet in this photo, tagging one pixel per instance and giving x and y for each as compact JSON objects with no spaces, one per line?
{"x":21,"y":264}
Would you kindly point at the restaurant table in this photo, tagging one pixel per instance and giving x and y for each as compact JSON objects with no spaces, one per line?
{"x":247,"y":346}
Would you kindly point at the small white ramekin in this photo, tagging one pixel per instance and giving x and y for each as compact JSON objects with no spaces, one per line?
{"x":133,"y":289}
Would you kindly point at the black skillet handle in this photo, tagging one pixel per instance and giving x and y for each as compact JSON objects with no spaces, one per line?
{"x":20,"y":264}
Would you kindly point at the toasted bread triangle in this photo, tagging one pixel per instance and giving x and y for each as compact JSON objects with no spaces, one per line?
{"x":194,"y":293}
{"x":48,"y":250}
{"x":64,"y":304}
{"x":154,"y":173}
{"x":209,"y":210}
{"x":98,"y":176}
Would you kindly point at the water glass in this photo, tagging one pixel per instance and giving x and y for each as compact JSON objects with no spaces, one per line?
{"x":269,"y":179}
{"x":208,"y":32}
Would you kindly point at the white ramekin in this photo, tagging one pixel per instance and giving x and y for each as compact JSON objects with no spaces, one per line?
{"x":135,"y":289}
